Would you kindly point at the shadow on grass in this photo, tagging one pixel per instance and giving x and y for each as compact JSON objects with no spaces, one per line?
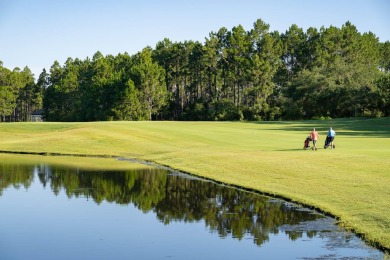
{"x":378,"y":127}
{"x":292,"y":150}
{"x":301,"y":149}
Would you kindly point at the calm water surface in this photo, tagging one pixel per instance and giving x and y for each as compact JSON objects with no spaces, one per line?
{"x":52,"y":212}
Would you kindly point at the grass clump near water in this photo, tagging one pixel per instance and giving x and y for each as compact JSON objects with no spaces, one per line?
{"x":351,"y":182}
{"x":79,"y":162}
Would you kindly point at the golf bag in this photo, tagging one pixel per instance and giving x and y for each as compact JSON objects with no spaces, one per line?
{"x":328,"y":141}
{"x":306,"y":144}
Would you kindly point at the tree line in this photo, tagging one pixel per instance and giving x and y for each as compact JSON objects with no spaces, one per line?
{"x":234,"y":75}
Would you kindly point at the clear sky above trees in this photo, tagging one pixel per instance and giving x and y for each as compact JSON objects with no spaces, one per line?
{"x":37,"y":32}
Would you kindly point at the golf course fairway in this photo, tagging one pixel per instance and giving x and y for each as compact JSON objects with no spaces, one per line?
{"x":351,"y":182}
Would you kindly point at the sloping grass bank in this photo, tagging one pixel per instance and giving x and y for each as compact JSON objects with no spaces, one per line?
{"x":351,"y":182}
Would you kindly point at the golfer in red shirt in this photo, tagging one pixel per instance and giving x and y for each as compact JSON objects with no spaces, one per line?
{"x":314,"y":136}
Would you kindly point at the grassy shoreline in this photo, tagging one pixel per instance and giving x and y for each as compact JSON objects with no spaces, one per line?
{"x":351,"y":182}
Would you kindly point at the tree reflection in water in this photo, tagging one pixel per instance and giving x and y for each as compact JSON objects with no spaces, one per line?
{"x":172,"y":197}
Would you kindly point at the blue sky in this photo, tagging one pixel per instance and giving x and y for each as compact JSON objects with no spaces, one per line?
{"x":38,"y":32}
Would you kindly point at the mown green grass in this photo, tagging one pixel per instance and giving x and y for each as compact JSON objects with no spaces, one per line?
{"x":351,"y":182}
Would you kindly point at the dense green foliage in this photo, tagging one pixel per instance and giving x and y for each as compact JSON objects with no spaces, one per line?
{"x":235,"y":74}
{"x":19,"y":95}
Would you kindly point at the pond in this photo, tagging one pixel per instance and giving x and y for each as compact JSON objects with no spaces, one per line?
{"x":59,"y":211}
